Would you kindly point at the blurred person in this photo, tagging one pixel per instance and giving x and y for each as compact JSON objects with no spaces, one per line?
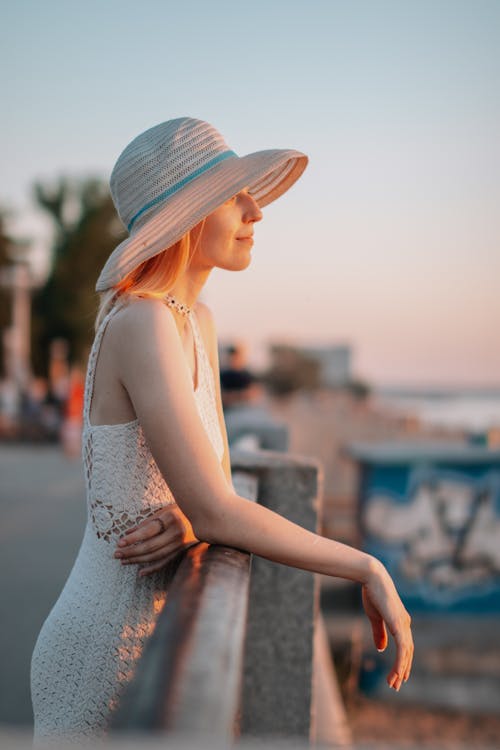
{"x":154,"y":443}
{"x":31,"y":409}
{"x":72,"y":421}
{"x":9,"y":408}
{"x":51,"y":415}
{"x":248,"y":423}
{"x":59,"y":369}
{"x":239,"y":385}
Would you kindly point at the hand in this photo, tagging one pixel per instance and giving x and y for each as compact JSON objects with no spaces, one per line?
{"x":384,"y":608}
{"x":147,"y":543}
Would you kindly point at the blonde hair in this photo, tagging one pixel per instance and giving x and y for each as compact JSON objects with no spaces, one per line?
{"x":154,"y":277}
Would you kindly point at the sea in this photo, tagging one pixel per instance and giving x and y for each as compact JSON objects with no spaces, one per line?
{"x":475,"y":410}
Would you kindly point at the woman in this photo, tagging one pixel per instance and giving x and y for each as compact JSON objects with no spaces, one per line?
{"x":154,"y":443}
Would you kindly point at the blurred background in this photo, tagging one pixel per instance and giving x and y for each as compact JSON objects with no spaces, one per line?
{"x":366,"y":325}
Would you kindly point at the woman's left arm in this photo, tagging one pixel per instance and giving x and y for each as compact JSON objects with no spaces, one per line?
{"x":146,"y":542}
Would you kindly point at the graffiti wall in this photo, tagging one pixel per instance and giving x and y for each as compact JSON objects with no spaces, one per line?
{"x":435,"y":523}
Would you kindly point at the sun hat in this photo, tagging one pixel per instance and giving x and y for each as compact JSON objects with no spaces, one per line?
{"x":173,"y":175}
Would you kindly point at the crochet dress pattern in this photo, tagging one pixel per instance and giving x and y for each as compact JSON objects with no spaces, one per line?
{"x":89,"y":644}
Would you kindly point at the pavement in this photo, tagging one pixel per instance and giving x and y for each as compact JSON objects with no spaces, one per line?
{"x":42,"y":501}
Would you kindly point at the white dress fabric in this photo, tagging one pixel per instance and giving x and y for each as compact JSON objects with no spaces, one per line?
{"x":89,"y":644}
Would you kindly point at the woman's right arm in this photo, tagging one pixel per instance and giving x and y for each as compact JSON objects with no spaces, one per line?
{"x":152,"y":367}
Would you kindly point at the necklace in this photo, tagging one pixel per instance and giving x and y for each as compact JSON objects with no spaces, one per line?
{"x":179,"y":306}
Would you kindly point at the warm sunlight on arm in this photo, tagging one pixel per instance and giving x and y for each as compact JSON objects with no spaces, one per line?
{"x":159,"y":385}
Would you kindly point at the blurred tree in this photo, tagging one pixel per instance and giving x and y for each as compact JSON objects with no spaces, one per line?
{"x":87,"y":230}
{"x":290,"y":371}
{"x":360,"y":389}
{"x":5,"y":302}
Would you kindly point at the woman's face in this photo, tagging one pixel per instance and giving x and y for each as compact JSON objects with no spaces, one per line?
{"x":226,"y":240}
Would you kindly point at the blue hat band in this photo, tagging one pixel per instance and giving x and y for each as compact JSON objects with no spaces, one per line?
{"x":178,"y":185}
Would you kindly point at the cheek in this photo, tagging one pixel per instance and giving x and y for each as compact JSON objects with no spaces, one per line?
{"x":218,"y":232}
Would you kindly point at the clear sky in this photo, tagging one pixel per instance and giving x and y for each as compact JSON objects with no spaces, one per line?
{"x":390,"y":241}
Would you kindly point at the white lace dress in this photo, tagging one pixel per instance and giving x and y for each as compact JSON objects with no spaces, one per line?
{"x":89,"y":644}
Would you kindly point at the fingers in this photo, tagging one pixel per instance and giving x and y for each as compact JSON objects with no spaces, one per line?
{"x":377,"y":623}
{"x":147,"y":541}
{"x":167,"y":547}
{"x":404,"y":655}
{"x":168,"y":514}
{"x":150,"y":545}
{"x":379,"y":634}
{"x":410,"y":662}
{"x":386,"y":611}
{"x":147,"y":529}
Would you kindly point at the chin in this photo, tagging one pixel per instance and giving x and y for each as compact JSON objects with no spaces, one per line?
{"x":245,"y":264}
{"x":240,"y":264}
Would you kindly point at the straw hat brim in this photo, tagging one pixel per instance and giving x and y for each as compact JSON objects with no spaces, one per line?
{"x":267,"y":174}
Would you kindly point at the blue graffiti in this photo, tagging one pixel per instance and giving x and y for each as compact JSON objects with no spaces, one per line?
{"x":442,"y":539}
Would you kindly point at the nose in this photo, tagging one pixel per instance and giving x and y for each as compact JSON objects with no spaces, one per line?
{"x":252,"y":211}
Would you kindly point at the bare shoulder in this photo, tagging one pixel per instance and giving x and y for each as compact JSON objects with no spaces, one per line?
{"x":142,"y":317}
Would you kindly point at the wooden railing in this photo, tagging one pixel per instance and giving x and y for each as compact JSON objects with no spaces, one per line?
{"x":234,"y":649}
{"x":188,"y":677}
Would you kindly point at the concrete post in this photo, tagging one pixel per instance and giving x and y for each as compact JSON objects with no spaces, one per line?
{"x":276,"y":697}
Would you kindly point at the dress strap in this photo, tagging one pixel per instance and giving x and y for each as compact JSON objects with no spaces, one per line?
{"x":92,"y":361}
{"x":204,"y":368}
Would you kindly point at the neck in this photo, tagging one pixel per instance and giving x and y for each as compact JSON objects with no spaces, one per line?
{"x":188,"y":287}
